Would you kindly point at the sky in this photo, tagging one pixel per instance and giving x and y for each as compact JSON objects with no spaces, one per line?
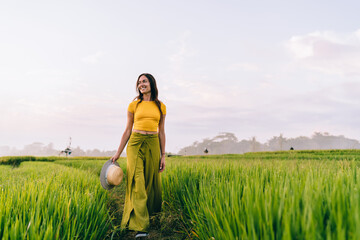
{"x":253,"y":68}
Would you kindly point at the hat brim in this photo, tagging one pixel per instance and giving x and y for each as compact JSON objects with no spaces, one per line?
{"x":104,"y":169}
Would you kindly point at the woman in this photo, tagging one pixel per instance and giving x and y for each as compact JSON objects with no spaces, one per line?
{"x":145,"y":155}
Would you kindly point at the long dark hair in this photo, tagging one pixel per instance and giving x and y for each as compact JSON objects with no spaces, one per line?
{"x":154,"y":91}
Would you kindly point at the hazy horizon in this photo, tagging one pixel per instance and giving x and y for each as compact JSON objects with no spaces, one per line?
{"x":228,"y":141}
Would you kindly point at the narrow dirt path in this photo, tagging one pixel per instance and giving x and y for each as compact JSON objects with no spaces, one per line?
{"x":166,"y":225}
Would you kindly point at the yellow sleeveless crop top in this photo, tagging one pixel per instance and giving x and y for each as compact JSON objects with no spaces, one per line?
{"x":147,"y":115}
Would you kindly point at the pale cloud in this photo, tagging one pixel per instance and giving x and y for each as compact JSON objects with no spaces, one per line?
{"x":94,"y":58}
{"x":304,"y":46}
{"x":183,"y":51}
{"x":327,"y":52}
{"x":266,"y":84}
{"x":248,"y":67}
{"x":91,"y":119}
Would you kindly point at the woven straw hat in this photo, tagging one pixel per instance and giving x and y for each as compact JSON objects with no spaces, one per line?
{"x":111,"y":175}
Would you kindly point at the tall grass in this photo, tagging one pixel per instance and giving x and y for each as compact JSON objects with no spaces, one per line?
{"x":258,"y":199}
{"x":17,"y":160}
{"x":269,"y":195}
{"x":353,"y":154}
{"x":45,"y":201}
{"x":93,"y":166}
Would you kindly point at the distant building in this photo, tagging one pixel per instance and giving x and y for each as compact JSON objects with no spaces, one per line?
{"x":67,"y":150}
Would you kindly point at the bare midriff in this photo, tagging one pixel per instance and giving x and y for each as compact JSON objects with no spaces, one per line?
{"x":144,"y":132}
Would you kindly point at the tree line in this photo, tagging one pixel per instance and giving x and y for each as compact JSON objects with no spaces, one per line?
{"x":228,"y":143}
{"x":221,"y":144}
{"x":40,"y":149}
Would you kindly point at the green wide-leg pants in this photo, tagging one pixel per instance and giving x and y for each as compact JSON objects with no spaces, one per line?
{"x":143,"y":185}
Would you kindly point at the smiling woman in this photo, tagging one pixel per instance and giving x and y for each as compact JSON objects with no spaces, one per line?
{"x":145,"y":136}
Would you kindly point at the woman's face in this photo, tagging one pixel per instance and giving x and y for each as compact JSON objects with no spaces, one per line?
{"x":144,"y":85}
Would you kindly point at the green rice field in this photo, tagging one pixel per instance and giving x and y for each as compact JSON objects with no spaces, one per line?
{"x":264,"y":195}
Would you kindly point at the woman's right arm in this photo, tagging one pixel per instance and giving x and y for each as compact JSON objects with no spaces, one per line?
{"x":125,"y":137}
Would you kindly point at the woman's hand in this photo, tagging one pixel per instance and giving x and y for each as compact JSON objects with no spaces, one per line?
{"x":162,"y":163}
{"x":115,"y":157}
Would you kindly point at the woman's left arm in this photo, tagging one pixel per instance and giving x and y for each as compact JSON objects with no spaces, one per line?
{"x":162,"y":143}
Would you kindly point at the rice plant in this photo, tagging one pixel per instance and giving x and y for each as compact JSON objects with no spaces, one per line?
{"x":268,"y":195}
{"x":266,"y":199}
{"x":93,"y":166}
{"x":46,"y":201}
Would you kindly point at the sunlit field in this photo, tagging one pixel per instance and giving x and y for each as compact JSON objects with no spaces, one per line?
{"x":268,"y":195}
{"x":41,"y":200}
